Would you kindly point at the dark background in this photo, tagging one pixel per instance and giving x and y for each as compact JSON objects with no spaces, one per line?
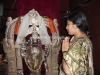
{"x":91,"y":8}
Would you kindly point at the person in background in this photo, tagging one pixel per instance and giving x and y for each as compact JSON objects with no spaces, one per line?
{"x":77,"y":52}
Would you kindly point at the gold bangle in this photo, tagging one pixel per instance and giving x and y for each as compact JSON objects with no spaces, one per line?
{"x":64,"y":51}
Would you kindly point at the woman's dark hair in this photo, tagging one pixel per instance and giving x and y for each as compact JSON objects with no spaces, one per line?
{"x":80,"y":20}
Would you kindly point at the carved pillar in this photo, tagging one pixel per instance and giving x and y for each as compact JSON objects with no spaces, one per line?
{"x":52,"y":60}
{"x":55,"y":52}
{"x":10,"y":54}
{"x":19,"y":60}
{"x":49,"y":62}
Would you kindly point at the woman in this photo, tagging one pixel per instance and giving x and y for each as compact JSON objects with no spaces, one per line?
{"x":77,"y":53}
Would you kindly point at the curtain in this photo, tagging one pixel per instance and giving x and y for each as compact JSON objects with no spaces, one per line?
{"x":50,"y":8}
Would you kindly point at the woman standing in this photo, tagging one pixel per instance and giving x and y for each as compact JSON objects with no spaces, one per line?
{"x":77,"y":53}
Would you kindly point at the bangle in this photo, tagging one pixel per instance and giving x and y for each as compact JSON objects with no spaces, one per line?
{"x":64,"y":51}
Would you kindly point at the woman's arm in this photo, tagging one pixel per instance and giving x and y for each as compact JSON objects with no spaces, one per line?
{"x":65,"y":67}
{"x":65,"y":46}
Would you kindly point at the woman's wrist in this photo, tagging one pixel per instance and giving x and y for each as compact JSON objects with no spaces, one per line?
{"x":64,"y":52}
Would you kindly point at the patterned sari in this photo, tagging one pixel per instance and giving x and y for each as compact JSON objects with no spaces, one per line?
{"x":79,"y":58}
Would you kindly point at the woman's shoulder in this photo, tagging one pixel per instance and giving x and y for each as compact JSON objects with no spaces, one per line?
{"x":81,"y":40}
{"x":85,"y":41}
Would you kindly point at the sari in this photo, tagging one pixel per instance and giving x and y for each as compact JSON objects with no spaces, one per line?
{"x":79,"y":58}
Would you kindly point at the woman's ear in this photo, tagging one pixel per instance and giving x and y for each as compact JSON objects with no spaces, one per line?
{"x":75,"y":26}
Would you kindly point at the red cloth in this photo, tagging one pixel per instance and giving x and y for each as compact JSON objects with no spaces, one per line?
{"x":50,"y":8}
{"x":51,"y":25}
{"x":17,"y":26}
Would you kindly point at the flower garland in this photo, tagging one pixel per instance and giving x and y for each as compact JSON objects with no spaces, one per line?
{"x":32,"y":53}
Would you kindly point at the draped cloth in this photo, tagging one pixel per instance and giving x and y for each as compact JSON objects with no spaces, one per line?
{"x":33,"y":17}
